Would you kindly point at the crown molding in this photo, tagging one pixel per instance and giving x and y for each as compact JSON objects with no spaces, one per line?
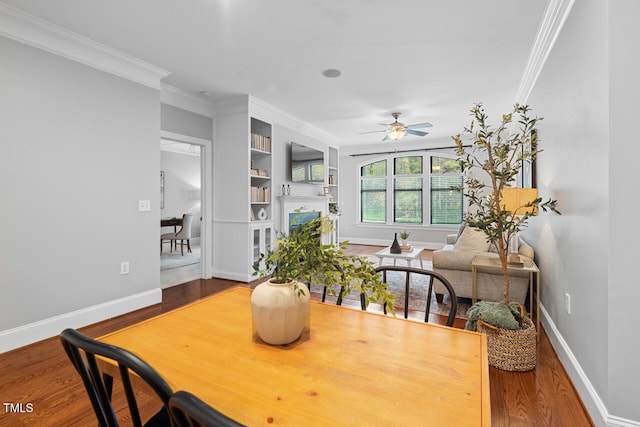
{"x":555,"y":16}
{"x":257,"y":106}
{"x":20,"y":26}
{"x":179,"y":98}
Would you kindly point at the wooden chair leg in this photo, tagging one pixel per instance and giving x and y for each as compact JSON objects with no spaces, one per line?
{"x":189,"y":245}
{"x":181,"y":247}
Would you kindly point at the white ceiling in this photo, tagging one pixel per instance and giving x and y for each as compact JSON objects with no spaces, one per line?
{"x":428,"y":59}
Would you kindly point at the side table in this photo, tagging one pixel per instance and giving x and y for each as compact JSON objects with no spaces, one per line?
{"x":483,"y":262}
{"x":409,"y":256}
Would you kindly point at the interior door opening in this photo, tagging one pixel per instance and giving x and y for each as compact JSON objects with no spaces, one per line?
{"x":183,"y":172}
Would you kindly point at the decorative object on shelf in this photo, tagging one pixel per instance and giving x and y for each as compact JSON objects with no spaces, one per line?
{"x":395,"y":246}
{"x":405,"y":246}
{"x":508,"y":151}
{"x":325,"y":265}
{"x":262,"y":214}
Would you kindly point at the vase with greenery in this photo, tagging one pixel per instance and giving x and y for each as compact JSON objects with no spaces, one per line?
{"x":497,"y":154}
{"x":404,"y":235}
{"x":299,"y":260}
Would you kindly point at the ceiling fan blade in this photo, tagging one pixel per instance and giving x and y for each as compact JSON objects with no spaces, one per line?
{"x":373,"y":131}
{"x":416,"y":132}
{"x":420,"y":125}
{"x":386,"y":138}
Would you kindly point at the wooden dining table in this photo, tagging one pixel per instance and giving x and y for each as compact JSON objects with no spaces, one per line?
{"x":353,"y":368}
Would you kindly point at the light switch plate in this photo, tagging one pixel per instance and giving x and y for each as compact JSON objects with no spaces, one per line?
{"x":144,"y":205}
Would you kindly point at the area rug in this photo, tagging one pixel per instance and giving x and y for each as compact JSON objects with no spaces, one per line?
{"x":171,"y":260}
{"x":417,"y":294}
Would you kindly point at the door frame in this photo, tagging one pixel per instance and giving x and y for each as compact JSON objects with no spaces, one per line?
{"x":206,"y":238}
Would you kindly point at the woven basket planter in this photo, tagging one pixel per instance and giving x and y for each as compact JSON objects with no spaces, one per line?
{"x":511,"y":350}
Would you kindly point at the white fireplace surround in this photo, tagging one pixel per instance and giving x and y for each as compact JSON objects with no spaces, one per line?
{"x":289,"y":204}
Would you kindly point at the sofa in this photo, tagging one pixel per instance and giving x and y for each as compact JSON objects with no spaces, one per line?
{"x":453,"y":261}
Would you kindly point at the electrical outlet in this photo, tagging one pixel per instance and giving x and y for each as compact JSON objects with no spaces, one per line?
{"x":567,"y":303}
{"x":144,"y":205}
{"x":124,"y":267}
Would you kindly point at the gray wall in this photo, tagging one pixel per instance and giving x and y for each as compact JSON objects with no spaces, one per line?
{"x":587,"y":93}
{"x":79,"y":149}
{"x":177,"y":120}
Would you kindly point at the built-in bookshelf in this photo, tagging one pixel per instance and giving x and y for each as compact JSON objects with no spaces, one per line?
{"x":243,"y":209}
{"x":260,"y":171}
{"x":333,"y":177}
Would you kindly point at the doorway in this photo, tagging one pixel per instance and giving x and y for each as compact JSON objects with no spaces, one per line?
{"x":185,"y":182}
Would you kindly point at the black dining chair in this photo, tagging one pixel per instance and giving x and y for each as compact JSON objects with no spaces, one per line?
{"x":84,"y":353}
{"x":431,"y":276}
{"x":188,"y":410}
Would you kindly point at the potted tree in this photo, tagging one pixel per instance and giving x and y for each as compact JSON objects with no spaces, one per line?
{"x":499,"y":152}
{"x":280,"y":305}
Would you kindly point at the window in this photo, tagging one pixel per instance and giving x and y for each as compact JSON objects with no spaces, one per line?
{"x":373,"y":192}
{"x":400,"y":193}
{"x":407,"y":189}
{"x":446,"y":191}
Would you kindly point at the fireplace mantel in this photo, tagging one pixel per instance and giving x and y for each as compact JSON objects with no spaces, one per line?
{"x":289,"y":204}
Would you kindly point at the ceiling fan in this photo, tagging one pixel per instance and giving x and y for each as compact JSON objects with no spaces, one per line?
{"x":397,"y":130}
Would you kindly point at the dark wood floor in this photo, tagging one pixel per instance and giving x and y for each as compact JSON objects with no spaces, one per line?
{"x":40,"y":375}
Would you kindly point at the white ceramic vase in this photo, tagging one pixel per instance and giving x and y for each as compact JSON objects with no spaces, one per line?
{"x":279,"y":313}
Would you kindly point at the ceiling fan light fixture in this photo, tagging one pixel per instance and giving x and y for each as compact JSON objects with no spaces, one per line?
{"x":397,"y":133}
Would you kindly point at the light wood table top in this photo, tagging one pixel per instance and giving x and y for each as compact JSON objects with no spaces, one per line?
{"x":355,"y":368}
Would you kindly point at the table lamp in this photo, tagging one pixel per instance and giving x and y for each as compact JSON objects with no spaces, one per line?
{"x":514,"y":201}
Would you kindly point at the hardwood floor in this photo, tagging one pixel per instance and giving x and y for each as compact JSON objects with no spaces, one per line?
{"x":41,"y":375}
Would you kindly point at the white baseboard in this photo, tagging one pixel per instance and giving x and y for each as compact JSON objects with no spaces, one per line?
{"x":592,"y":401}
{"x":229,"y":275}
{"x":47,"y":328}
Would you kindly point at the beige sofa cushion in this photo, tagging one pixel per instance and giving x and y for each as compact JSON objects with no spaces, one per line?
{"x":472,"y":240}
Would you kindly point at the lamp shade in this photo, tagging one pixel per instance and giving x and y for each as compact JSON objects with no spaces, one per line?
{"x":514,"y":199}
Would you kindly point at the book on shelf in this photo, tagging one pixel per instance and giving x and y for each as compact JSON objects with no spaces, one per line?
{"x":260,"y":194}
{"x":261,"y":142}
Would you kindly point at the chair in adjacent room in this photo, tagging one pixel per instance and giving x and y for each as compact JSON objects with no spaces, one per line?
{"x":88,"y":357}
{"x":182,"y":235}
{"x":431,"y":276}
{"x":188,"y":410}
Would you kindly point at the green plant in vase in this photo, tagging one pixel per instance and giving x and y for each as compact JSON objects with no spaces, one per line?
{"x":299,"y":259}
{"x":404,"y":235}
{"x":497,"y":154}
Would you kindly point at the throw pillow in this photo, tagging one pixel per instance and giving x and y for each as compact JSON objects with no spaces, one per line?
{"x":472,"y":239}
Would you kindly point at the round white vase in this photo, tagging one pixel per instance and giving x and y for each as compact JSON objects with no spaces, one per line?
{"x":279,"y":313}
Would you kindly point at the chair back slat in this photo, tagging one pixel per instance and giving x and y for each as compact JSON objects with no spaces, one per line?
{"x":83,"y":352}
{"x":432,"y":275}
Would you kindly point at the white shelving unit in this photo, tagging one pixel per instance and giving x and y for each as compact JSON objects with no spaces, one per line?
{"x":332,"y":180}
{"x":332,"y":175}
{"x":262,"y":235}
{"x":243,"y":211}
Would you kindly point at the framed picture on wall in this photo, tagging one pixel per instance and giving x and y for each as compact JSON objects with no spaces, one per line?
{"x":161,"y":189}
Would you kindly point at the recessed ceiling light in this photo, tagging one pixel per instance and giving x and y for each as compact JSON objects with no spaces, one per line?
{"x":205,"y":93}
{"x":331,"y":73}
